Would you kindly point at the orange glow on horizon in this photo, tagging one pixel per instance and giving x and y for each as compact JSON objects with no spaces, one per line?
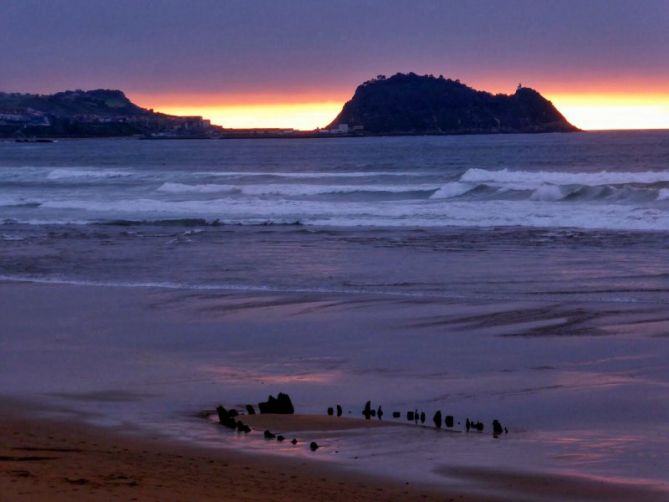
{"x":614,"y":111}
{"x":587,"y":110}
{"x":301,"y":116}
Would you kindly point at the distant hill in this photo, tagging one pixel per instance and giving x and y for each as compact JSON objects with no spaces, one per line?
{"x":401,"y":104}
{"x":102,"y":102}
{"x":415,"y":104}
{"x":93,"y":113}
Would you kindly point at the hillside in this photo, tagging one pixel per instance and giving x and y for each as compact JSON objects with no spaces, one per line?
{"x":96,"y":113}
{"x":414,"y":104}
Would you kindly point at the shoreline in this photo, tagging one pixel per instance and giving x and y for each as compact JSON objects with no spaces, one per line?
{"x":43,"y":458}
{"x":127,"y":376}
{"x":311,"y":135}
{"x":56,"y":460}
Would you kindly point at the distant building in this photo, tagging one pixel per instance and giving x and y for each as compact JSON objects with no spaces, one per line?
{"x":340,"y":129}
{"x":24,"y":118}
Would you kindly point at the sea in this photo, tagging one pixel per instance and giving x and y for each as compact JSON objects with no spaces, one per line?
{"x":522,"y":277}
{"x":475,"y":216}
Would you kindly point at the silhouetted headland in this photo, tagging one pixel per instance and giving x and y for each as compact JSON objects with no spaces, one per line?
{"x":84,"y":114}
{"x":407,"y":104}
{"x":404,"y":104}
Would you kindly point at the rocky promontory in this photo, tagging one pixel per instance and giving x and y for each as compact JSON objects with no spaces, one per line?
{"x":424,"y":104}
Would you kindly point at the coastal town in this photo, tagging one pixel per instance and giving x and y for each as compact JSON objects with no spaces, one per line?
{"x":109,"y":113}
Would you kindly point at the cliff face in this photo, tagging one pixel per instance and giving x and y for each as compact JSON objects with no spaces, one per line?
{"x":414,"y":104}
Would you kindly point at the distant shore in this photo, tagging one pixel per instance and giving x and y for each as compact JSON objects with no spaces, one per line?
{"x":401,"y":105}
{"x":264,"y":135}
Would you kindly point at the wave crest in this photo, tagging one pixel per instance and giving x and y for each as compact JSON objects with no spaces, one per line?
{"x":533,"y":179}
{"x":292,"y":190}
{"x":69,"y":173}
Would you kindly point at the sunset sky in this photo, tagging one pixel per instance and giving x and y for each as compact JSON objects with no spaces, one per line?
{"x":293,"y":63}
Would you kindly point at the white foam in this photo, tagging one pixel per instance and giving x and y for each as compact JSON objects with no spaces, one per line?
{"x":204,"y":188}
{"x":206,"y":287}
{"x":416,"y":213}
{"x":66,"y":173}
{"x":663,"y":194}
{"x":549,"y":193}
{"x":499,"y":213}
{"x":41,"y":222}
{"x":11,"y":237}
{"x":292,"y":190}
{"x":534,"y":179}
{"x":454,"y":189}
{"x":297,"y":190}
{"x":329,"y":174}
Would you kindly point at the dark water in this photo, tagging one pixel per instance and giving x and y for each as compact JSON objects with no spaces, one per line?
{"x":534,"y":216}
{"x":592,"y":181}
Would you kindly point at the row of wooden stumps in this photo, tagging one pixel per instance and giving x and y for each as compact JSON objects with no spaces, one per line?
{"x":282,"y":405}
{"x":415,"y":416}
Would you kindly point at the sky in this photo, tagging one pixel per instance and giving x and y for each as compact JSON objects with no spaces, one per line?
{"x":293,"y":63}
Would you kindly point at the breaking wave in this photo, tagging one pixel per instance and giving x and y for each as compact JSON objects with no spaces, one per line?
{"x":72,"y":173}
{"x":312,"y":175}
{"x":293,"y":190}
{"x":454,"y":189}
{"x":552,"y":186}
{"x":205,"y":188}
{"x":532,"y":179}
{"x":473,"y":197}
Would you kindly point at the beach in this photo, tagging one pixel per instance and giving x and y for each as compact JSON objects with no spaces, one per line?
{"x":57,"y":461}
{"x":334,"y":251}
{"x":518,"y":279}
{"x":148,"y":394}
{"x":60,"y":461}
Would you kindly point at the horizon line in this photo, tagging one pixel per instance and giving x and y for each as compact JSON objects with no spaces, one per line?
{"x":588,"y":110}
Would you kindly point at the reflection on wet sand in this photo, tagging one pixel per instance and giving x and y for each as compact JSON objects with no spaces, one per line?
{"x":587,"y":404}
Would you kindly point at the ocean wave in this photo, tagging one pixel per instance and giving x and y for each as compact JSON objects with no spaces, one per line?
{"x":547,"y":193}
{"x":11,"y":237}
{"x":309,"y":175}
{"x":69,"y":173}
{"x":553,"y":186}
{"x":203,"y":188}
{"x":500,"y":213}
{"x":216,"y":287}
{"x":416,"y":213}
{"x":43,"y":222}
{"x":453,"y":189}
{"x":138,"y":206}
{"x":18,"y":202}
{"x":534,"y":179}
{"x":305,"y":190}
{"x":293,"y":190}
{"x":166,"y":222}
{"x":190,"y":222}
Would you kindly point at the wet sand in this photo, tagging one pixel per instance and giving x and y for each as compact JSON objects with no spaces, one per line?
{"x":147,"y":360}
{"x":59,"y":461}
